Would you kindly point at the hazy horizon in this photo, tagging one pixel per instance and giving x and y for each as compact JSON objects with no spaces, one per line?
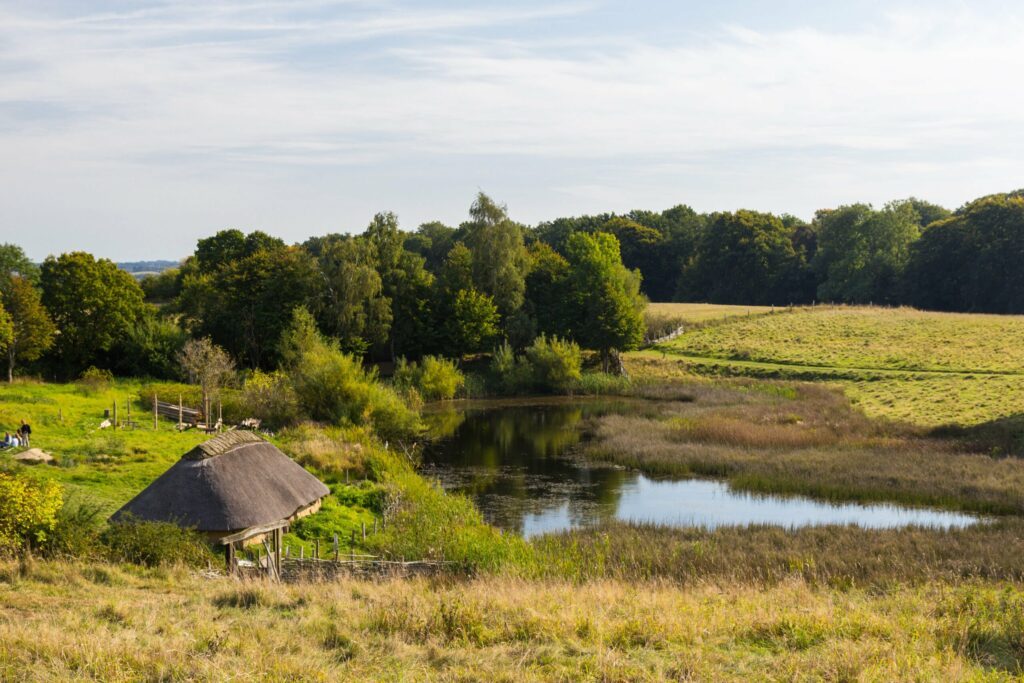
{"x":131,"y":130}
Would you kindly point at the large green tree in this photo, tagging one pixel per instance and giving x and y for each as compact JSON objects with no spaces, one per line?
{"x":241,"y":294}
{"x":92,"y":302}
{"x":32,"y":330}
{"x":405,"y":282}
{"x":971,"y":261}
{"x":473,"y":324}
{"x":499,"y":254}
{"x":13,"y":261}
{"x":604,"y":298}
{"x":355,"y":310}
{"x":744,"y":257}
{"x":861,"y":252}
{"x":546,"y":296}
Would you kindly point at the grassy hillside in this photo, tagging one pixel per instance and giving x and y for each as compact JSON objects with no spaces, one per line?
{"x":110,"y":467}
{"x":926,"y":368}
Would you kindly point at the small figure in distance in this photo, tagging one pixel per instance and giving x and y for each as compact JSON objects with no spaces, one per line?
{"x":26,"y":433}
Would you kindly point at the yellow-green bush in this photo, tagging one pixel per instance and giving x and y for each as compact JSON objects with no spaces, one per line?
{"x":434,"y":378}
{"x":28,"y":511}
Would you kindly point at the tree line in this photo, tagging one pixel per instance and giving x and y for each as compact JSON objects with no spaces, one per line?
{"x":389,"y":293}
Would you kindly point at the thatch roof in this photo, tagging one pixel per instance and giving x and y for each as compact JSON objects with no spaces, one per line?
{"x":234,"y":481}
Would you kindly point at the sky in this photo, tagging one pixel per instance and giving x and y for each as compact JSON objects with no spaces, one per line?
{"x":131,"y":130}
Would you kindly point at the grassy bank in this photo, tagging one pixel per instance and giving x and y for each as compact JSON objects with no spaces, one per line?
{"x":100,"y":622}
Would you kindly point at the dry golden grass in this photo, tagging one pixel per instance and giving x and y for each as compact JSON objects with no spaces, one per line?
{"x":82,"y":622}
{"x":805,"y":439}
{"x":703,"y":313}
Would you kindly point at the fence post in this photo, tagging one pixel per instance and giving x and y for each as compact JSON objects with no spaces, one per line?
{"x":115,"y":413}
{"x":156,"y":425}
{"x":363,"y":525}
{"x":180,"y":424}
{"x":316,"y":550}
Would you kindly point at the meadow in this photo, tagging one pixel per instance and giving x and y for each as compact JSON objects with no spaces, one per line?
{"x":728,"y":398}
{"x":72,"y":621}
{"x":926,"y":368}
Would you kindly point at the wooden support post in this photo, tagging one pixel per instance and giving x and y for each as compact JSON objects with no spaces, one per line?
{"x":180,"y":423}
{"x":352,"y":547}
{"x":115,"y":413}
{"x":374,"y":525}
{"x":302,"y":552}
{"x":363,"y":525}
{"x":229,"y":558}
{"x":337,"y":549}
{"x":156,"y":414}
{"x":316,"y":549}
{"x":278,"y":537}
{"x":220,"y":414}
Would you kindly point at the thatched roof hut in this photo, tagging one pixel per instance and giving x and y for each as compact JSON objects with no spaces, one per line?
{"x":233,"y":482}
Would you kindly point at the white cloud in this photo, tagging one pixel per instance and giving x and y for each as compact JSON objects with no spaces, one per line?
{"x":174,"y":96}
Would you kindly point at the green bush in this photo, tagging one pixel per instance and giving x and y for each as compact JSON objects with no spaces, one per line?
{"x":554,"y":364}
{"x":334,"y":387}
{"x":511,"y":373}
{"x":270,"y":397}
{"x":28,"y":512}
{"x":434,"y":379}
{"x":76,"y":531}
{"x":95,"y":380}
{"x":550,"y":365}
{"x":154,"y":544}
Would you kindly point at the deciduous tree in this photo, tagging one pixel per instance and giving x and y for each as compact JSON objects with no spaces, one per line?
{"x":31,"y":330}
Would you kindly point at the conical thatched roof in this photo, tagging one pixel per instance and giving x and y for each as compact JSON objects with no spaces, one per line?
{"x":231,"y":482}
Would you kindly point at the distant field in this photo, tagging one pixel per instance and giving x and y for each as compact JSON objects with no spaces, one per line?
{"x":868,"y":338}
{"x":702,"y":313}
{"x":926,"y":368}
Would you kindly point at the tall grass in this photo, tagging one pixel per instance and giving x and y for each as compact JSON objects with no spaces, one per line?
{"x":101,"y":622}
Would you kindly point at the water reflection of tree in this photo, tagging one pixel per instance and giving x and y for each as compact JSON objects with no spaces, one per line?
{"x":513,"y":463}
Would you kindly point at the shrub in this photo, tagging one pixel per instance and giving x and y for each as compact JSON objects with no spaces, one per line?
{"x":271,"y":398}
{"x":440,"y":379}
{"x":154,"y":543}
{"x":28,"y":511}
{"x":511,"y":373}
{"x":554,"y":363}
{"x":95,"y":380}
{"x":549,"y":365}
{"x":333,"y":386}
{"x":76,"y":531}
{"x":434,"y":379}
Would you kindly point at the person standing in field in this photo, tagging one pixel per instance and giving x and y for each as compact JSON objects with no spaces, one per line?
{"x":26,"y":432}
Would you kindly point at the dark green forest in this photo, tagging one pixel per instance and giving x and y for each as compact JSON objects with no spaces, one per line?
{"x":388,"y":293}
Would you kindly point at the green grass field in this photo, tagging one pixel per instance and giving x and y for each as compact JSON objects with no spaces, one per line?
{"x":107,"y":466}
{"x":926,"y":368}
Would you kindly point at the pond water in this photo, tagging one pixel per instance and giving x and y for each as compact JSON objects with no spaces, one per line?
{"x":518,"y":464}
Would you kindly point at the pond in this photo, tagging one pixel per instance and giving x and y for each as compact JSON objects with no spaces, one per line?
{"x":518,"y":463}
